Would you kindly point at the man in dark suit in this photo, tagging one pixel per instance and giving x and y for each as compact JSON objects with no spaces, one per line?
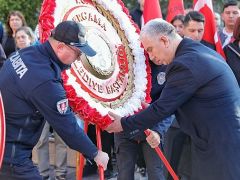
{"x":204,"y":95}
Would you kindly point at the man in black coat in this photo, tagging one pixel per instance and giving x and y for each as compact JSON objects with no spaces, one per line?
{"x":204,"y":95}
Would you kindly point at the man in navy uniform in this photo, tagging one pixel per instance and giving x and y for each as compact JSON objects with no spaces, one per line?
{"x":32,"y":91}
{"x":204,"y":95}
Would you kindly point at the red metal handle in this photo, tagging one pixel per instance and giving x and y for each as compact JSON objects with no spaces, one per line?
{"x":99,"y":145}
{"x":164,"y":160}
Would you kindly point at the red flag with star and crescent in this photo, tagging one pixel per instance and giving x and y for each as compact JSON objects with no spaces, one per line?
{"x":175,"y":7}
{"x":210,"y":32}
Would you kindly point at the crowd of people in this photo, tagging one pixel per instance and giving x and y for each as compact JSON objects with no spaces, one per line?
{"x":194,"y":115}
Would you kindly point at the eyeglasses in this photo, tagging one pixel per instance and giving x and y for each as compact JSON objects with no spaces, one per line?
{"x":77,"y":51}
{"x":78,"y":44}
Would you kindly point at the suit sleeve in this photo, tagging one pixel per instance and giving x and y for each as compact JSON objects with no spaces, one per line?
{"x":45,"y":98}
{"x":180,"y":86}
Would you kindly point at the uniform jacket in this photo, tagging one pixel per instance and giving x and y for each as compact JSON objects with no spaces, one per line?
{"x":32,"y":91}
{"x":158,"y":81}
{"x":157,"y":74}
{"x":204,"y":95}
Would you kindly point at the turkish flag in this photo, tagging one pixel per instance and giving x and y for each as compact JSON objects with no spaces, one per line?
{"x":151,"y":10}
{"x":210,"y":31}
{"x":175,"y":7}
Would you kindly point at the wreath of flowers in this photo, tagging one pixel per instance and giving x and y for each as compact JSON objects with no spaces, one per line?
{"x":80,"y":101}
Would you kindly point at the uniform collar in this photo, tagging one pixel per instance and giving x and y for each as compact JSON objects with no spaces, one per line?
{"x":47,"y":49}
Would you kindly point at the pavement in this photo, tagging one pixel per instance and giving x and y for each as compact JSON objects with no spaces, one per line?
{"x":71,"y":175}
{"x":71,"y":161}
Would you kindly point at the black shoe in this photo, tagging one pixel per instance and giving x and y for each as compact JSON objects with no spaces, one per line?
{"x":61,"y":177}
{"x":108,"y":174}
{"x":89,"y":170}
{"x":46,"y":177}
{"x":142,"y":171}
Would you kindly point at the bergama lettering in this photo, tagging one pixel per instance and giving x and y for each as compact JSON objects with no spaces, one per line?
{"x":91,"y":75}
{"x":89,"y":17}
{"x":18,"y":65}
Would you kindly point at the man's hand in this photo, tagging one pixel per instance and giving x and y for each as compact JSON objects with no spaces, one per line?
{"x":116,"y":125}
{"x":102,"y":159}
{"x":153,"y":139}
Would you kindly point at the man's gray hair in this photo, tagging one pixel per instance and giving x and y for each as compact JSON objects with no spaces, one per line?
{"x":158,"y":26}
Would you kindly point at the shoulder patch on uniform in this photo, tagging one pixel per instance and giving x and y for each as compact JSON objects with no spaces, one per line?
{"x":62,"y":106}
{"x":161,"y":78}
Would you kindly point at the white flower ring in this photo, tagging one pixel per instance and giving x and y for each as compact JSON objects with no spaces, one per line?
{"x":96,"y":86}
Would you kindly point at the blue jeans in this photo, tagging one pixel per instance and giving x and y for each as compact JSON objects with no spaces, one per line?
{"x":26,"y":171}
{"x":126,"y":153}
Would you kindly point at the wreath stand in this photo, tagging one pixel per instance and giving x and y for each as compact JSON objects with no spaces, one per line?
{"x":80,"y":158}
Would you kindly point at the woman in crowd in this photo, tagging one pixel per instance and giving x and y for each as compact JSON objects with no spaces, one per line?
{"x":177,"y":22}
{"x":24,"y":37}
{"x":15,"y":20}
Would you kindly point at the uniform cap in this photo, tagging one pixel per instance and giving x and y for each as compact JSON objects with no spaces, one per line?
{"x":73,"y":34}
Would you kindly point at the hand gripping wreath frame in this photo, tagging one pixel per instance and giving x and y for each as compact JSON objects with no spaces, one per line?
{"x":86,"y":102}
